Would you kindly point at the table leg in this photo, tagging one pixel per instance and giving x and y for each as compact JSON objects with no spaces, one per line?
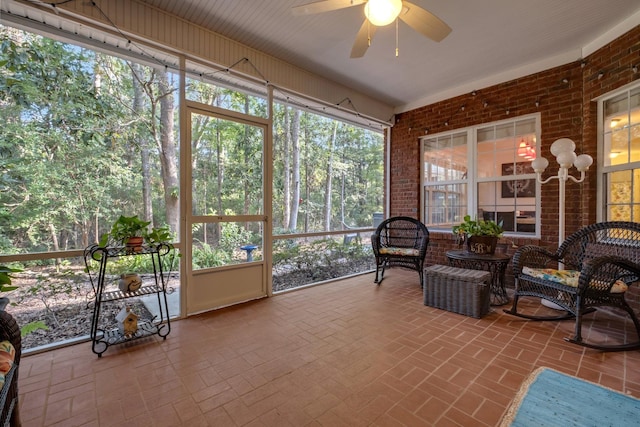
{"x":496,"y":268}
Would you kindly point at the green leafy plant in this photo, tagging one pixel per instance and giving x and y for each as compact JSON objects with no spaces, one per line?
{"x":124,"y":228}
{"x":158,"y":235}
{"x":475,"y":227}
{"x":5,"y":278}
{"x":132,"y":226}
{"x":7,"y":286}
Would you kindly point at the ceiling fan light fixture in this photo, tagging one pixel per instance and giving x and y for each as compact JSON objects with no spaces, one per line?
{"x":382,"y":12}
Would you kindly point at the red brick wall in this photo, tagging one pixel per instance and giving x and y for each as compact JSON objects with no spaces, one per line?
{"x":564,"y":97}
{"x":615,"y":61}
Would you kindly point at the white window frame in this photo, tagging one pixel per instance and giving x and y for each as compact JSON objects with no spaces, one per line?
{"x":602,"y":169}
{"x":472,"y":179}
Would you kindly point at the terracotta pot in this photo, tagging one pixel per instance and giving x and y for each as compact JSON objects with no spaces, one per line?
{"x":482,"y":245}
{"x":135,"y":243}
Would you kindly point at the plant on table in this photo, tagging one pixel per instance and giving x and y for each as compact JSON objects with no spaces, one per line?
{"x":124,"y":229}
{"x":475,"y":227}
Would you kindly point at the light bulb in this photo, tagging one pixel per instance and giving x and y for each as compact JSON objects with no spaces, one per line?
{"x":382,"y":12}
{"x":566,"y":158}
{"x":562,"y":144}
{"x":539,"y":164}
{"x":522,"y":149}
{"x":582,"y":162}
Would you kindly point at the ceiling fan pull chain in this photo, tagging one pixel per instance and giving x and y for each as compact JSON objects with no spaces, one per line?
{"x":397,"y":50}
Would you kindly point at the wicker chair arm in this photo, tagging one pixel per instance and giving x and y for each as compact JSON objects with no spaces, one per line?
{"x":600,"y":274}
{"x":375,"y":243}
{"x":532,"y":256}
{"x":422,"y":244}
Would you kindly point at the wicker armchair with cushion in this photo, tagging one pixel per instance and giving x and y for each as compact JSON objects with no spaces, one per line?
{"x":597,"y":265}
{"x":400,"y":241}
{"x":10,"y":351}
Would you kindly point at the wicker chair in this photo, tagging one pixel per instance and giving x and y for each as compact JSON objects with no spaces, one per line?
{"x":10,"y":331}
{"x":400,"y":241}
{"x":605,"y":258}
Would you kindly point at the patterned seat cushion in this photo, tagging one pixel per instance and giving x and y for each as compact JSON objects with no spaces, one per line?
{"x":7,"y":356}
{"x":567,"y":277}
{"x":399,"y":251}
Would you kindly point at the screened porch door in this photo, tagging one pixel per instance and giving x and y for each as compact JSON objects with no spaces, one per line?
{"x":226,"y":219}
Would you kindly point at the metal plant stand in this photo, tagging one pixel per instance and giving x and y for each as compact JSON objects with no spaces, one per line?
{"x":104,"y":334}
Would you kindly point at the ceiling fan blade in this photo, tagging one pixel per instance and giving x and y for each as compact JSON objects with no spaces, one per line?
{"x":324,"y":6}
{"x":363,"y":39}
{"x":424,"y":22}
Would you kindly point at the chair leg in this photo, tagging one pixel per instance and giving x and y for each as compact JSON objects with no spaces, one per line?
{"x":634,"y":318}
{"x":514,"y":307}
{"x":380,"y":266}
{"x":577,"y":339}
{"x":578,"y":331}
{"x":384,"y":267}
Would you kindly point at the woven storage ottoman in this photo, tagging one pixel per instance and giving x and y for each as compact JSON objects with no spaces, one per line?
{"x":459,"y":290}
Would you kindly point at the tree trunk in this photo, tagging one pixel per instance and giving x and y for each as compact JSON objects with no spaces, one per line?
{"x":142,"y":142}
{"x":168,"y":158}
{"x":246,"y":144}
{"x":220,"y":177}
{"x":295,"y":152}
{"x":328,"y":181}
{"x":286,"y":168}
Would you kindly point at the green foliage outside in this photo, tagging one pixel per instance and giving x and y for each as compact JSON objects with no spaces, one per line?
{"x":78,"y":135}
{"x":88,"y":137}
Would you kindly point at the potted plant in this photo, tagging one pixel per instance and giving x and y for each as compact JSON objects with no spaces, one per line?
{"x":127,"y":231}
{"x":481,"y":236}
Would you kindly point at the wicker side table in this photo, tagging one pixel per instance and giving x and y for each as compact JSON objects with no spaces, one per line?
{"x":459,"y":290}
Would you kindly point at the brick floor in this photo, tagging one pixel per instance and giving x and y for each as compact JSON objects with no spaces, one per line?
{"x":348,"y":353}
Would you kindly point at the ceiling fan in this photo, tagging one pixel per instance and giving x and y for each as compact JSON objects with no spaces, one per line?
{"x":379,"y":13}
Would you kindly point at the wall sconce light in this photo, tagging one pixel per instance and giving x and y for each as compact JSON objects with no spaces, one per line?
{"x":600,"y":75}
{"x":564,"y":151}
{"x":537,"y":102}
{"x":583,"y":63}
{"x":507,"y":111}
{"x":634,"y":68}
{"x":474,"y":93}
{"x":462,"y":108}
{"x":426,"y":131}
{"x":446,"y":123}
{"x":485,"y":104}
{"x":565,"y":80}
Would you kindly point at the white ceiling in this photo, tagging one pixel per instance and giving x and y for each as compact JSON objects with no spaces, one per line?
{"x":492,"y":41}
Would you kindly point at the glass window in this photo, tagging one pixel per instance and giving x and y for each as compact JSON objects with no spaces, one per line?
{"x":445,"y":179}
{"x":212,"y":93}
{"x":218,"y":244}
{"x":621,"y":156}
{"x":327,"y":174}
{"x":227,"y":167}
{"x":506,"y":182}
{"x":506,"y":187}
